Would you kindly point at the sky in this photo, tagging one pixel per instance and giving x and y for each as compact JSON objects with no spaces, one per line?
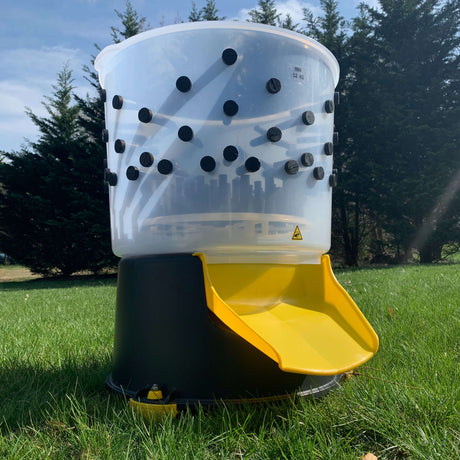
{"x":39,"y":37}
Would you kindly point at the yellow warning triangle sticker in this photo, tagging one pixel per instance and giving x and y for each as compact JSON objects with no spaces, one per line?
{"x":297,"y":235}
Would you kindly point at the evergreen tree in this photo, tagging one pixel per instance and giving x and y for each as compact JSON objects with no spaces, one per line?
{"x":358,"y":217}
{"x":131,"y":22}
{"x":209,"y":12}
{"x":91,"y":118}
{"x":45,"y":204}
{"x":408,"y":123}
{"x":288,"y":23}
{"x":195,"y":15}
{"x":265,"y":13}
{"x":350,"y":223}
{"x":398,"y":186}
{"x":329,"y":29}
{"x":92,"y":108}
{"x":54,"y":215}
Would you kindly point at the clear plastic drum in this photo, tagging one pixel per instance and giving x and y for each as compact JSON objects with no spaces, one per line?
{"x":220,"y":140}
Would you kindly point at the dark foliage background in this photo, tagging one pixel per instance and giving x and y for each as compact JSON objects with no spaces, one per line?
{"x":398,"y":197}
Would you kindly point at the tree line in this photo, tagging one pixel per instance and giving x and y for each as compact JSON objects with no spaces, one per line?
{"x":398,"y":159}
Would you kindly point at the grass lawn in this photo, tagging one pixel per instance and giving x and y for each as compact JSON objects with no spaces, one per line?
{"x":55,"y":352}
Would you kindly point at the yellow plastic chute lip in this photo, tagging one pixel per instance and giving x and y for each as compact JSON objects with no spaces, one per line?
{"x":308,"y":326}
{"x":229,"y":317}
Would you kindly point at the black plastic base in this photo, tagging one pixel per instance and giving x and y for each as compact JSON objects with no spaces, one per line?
{"x":165,"y":335}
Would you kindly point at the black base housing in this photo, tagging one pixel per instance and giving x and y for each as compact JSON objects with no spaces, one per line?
{"x":165,"y":335}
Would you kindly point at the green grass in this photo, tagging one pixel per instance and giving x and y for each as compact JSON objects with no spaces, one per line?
{"x":55,"y":352}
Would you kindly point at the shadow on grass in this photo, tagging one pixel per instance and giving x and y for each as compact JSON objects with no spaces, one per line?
{"x":73,"y":399}
{"x":60,"y":283}
{"x":32,"y":396}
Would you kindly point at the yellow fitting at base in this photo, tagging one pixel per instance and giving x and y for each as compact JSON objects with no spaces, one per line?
{"x":155,"y":394}
{"x":155,"y":409}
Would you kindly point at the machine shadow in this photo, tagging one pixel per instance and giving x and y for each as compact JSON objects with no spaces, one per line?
{"x":36,"y":396}
{"x":40,"y":398}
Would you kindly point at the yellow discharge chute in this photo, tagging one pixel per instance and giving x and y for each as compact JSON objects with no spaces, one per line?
{"x":298,"y":315}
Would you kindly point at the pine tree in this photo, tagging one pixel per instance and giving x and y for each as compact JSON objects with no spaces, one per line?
{"x":92,"y":108}
{"x":288,"y":23}
{"x":131,"y":22}
{"x":209,"y":12}
{"x":330,"y":29}
{"x":350,"y":217}
{"x":54,"y":215}
{"x":195,"y":15}
{"x":357,"y":220}
{"x":265,"y":13}
{"x":91,"y":117}
{"x":412,"y":97}
{"x":398,"y":185}
{"x":44,"y":205}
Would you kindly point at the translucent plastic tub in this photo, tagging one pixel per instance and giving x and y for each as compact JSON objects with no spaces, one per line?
{"x":219,"y":140}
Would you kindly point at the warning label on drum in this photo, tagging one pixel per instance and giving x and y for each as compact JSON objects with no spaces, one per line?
{"x":297,"y":235}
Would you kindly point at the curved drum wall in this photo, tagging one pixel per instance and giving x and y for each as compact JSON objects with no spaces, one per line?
{"x":219,"y":140}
